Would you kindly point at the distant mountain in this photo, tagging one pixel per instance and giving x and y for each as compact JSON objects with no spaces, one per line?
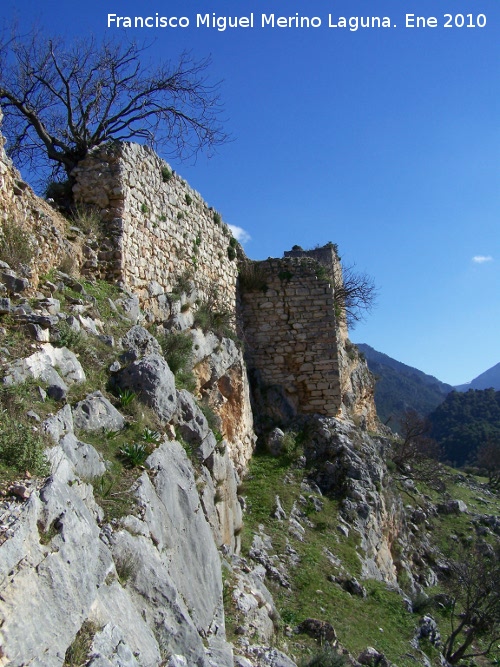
{"x":490,"y":379}
{"x":400,"y":387}
{"x":464,"y":421}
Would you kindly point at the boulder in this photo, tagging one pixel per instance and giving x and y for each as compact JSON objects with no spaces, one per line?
{"x":274,"y":442}
{"x":138,"y":343}
{"x":42,"y":364}
{"x":130,"y":308}
{"x":153,"y":381}
{"x":96,"y":413}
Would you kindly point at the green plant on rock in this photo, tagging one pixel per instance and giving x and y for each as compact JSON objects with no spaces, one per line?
{"x":188,"y":199}
{"x":252,"y":278}
{"x":231,"y":253}
{"x":150,"y":436}
{"x":327,"y":657}
{"x":67,"y":336}
{"x":78,"y":653}
{"x":22,"y":448}
{"x":87,"y":218}
{"x":217,"y":218}
{"x":166,"y":174}
{"x":125,"y":396}
{"x":135,"y":454}
{"x":144,"y":208}
{"x":16,"y":245}
{"x":177,"y":348}
{"x":183,"y":285}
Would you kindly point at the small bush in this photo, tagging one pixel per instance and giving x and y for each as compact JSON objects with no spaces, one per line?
{"x":328,"y":657}
{"x":21,"y":447}
{"x":252,"y":278}
{"x":177,"y":349}
{"x":188,"y":198}
{"x":87,"y":218}
{"x":16,"y":247}
{"x":183,"y":285}
{"x":60,"y":191}
{"x":67,"y":337}
{"x":144,"y":208}
{"x":166,"y":174}
{"x":231,"y":253}
{"x":217,"y":218}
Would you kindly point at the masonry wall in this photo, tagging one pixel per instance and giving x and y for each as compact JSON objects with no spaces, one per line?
{"x":20,"y":206}
{"x":157,"y":226}
{"x":290,"y":334}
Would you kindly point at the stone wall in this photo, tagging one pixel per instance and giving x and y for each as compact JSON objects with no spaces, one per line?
{"x":297,"y":349}
{"x":159,"y":228}
{"x":290,"y":334}
{"x":21,"y":207}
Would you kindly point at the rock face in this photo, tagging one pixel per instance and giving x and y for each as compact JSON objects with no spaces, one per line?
{"x":350,"y":464}
{"x":139,"y":584}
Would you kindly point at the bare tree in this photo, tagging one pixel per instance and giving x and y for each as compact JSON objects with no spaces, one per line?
{"x":62,"y":100}
{"x":475,"y":611}
{"x":355,"y":295}
{"x":414,"y":452}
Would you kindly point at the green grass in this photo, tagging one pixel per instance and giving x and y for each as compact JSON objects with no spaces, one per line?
{"x":379,"y":620}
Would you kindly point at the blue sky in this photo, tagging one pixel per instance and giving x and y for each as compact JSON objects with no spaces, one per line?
{"x":384,"y":141}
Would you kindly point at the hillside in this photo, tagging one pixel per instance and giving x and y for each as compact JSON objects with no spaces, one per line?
{"x":143,"y":522}
{"x":488,"y":379}
{"x":464,"y":421}
{"x":400,"y":387}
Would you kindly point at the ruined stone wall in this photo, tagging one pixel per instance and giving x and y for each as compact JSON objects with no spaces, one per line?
{"x":290,"y":334}
{"x":19,"y":206}
{"x":158,"y":227}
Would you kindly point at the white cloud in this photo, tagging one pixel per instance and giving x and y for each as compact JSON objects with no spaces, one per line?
{"x":481,"y":259}
{"x":239,"y":234}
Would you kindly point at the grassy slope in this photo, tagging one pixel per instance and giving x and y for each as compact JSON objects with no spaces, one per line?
{"x":379,"y":620}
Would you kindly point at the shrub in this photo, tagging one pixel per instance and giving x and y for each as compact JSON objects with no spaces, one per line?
{"x":252,"y":278}
{"x":231,"y":253}
{"x":21,"y":447}
{"x":166,"y":174}
{"x":60,"y":191}
{"x":328,"y":657}
{"x":177,"y":349}
{"x":217,"y":218}
{"x":183,"y":285}
{"x":218,"y":321}
{"x":16,"y":246}
{"x":144,"y":208}
{"x":87,"y":218}
{"x":67,"y":337}
{"x":188,"y":198}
